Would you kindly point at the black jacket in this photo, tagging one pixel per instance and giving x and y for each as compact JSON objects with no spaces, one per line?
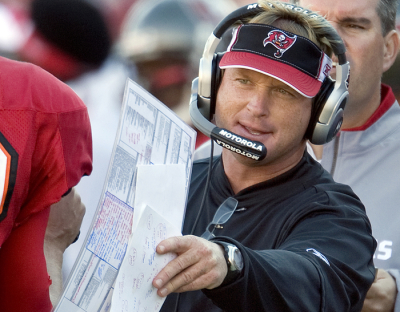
{"x":306,"y":243}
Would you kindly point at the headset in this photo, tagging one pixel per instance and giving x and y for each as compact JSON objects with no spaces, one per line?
{"x":328,"y":104}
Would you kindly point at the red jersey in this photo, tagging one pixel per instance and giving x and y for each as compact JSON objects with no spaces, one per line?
{"x":45,"y":149}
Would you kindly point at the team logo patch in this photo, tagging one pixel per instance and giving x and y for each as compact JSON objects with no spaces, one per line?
{"x":327,"y":69}
{"x":280,"y":40}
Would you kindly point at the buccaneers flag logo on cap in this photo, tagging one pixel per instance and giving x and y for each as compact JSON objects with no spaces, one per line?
{"x":279,"y":40}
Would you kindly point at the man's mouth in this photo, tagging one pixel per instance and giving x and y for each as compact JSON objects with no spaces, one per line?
{"x":253,"y":131}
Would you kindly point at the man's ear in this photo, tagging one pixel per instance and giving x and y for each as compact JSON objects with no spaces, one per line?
{"x":391,"y":48}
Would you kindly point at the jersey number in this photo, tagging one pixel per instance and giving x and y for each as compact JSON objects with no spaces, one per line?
{"x":8,"y":174}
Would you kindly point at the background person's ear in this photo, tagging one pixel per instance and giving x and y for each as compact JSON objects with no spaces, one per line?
{"x":391,"y":49}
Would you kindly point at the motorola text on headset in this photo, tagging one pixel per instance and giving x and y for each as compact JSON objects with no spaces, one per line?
{"x":328,"y":104}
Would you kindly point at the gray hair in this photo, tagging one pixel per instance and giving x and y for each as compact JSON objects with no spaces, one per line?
{"x":387,"y":13}
{"x":386,"y":10}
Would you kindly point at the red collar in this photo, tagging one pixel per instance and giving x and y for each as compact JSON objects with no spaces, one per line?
{"x":387,"y":100}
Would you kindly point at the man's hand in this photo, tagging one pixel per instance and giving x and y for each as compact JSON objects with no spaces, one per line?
{"x":199,"y":264}
{"x":62,"y":228}
{"x":381,"y":297}
{"x":65,"y":220}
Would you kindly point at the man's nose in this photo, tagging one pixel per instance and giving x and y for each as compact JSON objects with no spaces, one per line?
{"x":258,"y":104}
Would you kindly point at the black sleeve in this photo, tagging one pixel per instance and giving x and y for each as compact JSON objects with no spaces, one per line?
{"x":323,"y":264}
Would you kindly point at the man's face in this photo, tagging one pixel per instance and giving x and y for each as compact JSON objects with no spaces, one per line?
{"x":358,"y":24}
{"x":261,"y":108}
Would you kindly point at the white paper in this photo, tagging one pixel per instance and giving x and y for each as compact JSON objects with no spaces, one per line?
{"x":134,"y":291}
{"x":166,"y":195}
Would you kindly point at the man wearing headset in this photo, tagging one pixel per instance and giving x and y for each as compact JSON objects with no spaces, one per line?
{"x":366,"y":152}
{"x":289,"y":238}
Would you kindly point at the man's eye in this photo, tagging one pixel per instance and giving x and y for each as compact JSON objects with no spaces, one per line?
{"x":286,"y":93}
{"x":354,"y":26}
{"x":244,"y":81}
{"x":283,"y":91}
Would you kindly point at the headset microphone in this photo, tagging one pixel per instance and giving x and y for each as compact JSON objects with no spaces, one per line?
{"x":227,"y":139}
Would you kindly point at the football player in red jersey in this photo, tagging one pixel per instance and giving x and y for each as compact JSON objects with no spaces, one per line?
{"x":45,"y":149}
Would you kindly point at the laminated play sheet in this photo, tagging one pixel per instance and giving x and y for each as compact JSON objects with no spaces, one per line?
{"x":149,"y":133}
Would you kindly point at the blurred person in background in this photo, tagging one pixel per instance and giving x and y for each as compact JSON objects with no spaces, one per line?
{"x":165,"y":39}
{"x":71,"y":40}
{"x":365,"y":153}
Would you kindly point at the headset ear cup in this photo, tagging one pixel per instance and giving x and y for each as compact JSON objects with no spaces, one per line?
{"x":336,"y":124}
{"x":215,"y":81}
{"x":318,"y":105}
